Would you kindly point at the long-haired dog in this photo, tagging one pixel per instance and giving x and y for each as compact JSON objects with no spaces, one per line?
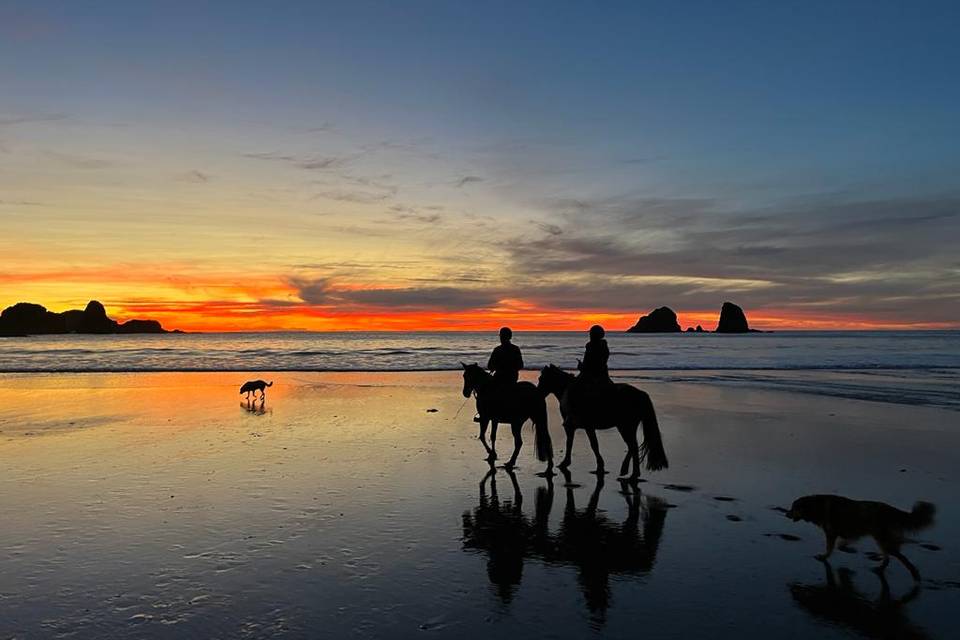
{"x":845,"y":519}
{"x":255,"y":385}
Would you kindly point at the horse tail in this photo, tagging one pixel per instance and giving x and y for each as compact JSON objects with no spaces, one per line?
{"x":541,"y":432}
{"x":652,"y":447}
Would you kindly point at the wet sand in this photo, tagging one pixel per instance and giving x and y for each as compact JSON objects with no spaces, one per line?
{"x":157,"y":505}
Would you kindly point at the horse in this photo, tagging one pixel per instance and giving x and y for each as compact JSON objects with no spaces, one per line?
{"x":628,"y":408}
{"x":495,"y":404}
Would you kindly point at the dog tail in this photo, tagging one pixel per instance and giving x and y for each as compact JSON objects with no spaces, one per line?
{"x":921,"y":516}
{"x":270,"y":384}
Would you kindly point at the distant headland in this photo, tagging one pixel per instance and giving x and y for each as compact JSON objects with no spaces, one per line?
{"x":26,"y":318}
{"x":664,"y":320}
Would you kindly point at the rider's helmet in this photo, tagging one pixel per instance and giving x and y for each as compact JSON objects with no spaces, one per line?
{"x":597,"y":332}
{"x":506,"y":334}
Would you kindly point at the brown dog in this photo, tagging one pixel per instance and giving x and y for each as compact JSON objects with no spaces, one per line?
{"x":846,"y":519}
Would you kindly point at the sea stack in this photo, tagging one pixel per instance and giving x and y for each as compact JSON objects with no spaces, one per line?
{"x":662,"y":320}
{"x":25,"y":318}
{"x":732,"y":319}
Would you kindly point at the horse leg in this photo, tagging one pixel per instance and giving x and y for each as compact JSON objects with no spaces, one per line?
{"x":592,"y":434}
{"x":493,"y":438}
{"x":491,"y":454}
{"x":517,"y":443}
{"x":629,"y":435}
{"x":566,"y":454}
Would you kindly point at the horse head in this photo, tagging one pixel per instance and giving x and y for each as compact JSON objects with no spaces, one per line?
{"x":473,"y":375}
{"x":551,"y":380}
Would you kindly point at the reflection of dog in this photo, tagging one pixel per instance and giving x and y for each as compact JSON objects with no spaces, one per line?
{"x":848,"y":519}
{"x":254,"y":386}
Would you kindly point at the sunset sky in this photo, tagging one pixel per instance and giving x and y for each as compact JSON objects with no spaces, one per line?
{"x":454,"y":165}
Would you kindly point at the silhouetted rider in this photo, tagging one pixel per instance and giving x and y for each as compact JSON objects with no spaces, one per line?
{"x":506,"y":361}
{"x":595,"y":356}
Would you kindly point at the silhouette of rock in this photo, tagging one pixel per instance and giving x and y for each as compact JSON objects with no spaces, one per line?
{"x":26,"y":318}
{"x":732,"y":319}
{"x":95,"y":320}
{"x":699,"y":329}
{"x":662,"y":320}
{"x":141,"y":326}
{"x":689,"y":330}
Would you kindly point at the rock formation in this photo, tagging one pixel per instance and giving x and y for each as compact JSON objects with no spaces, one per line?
{"x":662,"y":320}
{"x":26,"y":318}
{"x":732,"y":319}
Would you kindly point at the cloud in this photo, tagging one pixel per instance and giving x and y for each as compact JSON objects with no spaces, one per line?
{"x":312,"y":290}
{"x":195,"y":176}
{"x":891,"y":256}
{"x":446,"y":298}
{"x":308,"y":162}
{"x":465,"y":180}
{"x":321,"y":292}
{"x":12,"y":120}
{"x":359,"y":197}
{"x":78,"y":161}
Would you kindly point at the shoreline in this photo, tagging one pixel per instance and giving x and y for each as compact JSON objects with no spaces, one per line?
{"x":922,"y":387}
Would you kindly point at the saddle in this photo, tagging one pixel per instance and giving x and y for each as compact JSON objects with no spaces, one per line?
{"x":588,"y":400}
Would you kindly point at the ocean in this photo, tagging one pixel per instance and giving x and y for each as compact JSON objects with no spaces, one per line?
{"x":905,"y":367}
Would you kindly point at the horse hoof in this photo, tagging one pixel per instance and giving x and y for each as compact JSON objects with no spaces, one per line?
{"x":564,"y":465}
{"x":549,"y":473}
{"x":599,"y":472}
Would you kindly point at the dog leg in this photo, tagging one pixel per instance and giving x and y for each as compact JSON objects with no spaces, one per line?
{"x":831,"y":543}
{"x":909,"y":565}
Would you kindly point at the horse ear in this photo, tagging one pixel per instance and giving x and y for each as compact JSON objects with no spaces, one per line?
{"x":463,"y":364}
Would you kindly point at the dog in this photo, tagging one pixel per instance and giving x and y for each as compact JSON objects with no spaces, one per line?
{"x":848,"y":520}
{"x":254,"y":386}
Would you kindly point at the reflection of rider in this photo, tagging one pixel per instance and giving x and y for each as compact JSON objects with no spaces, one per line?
{"x":506,"y":361}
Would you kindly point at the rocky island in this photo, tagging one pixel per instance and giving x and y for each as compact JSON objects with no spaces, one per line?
{"x":26,"y":318}
{"x":664,"y":320}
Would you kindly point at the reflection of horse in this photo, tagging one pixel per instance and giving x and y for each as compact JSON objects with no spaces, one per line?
{"x":585,"y":539}
{"x":841,"y":604}
{"x":514,"y":405}
{"x":627,"y":408}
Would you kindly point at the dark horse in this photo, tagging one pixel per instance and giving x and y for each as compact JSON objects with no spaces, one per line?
{"x":514,"y":405}
{"x":626,"y":410}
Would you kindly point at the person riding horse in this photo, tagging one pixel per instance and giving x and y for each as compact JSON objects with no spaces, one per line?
{"x":588,"y":390}
{"x":505,"y":363}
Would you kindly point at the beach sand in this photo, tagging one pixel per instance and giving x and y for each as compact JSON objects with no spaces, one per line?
{"x":157,"y":505}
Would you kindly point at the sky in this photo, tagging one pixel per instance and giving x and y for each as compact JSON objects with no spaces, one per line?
{"x":456,"y":165}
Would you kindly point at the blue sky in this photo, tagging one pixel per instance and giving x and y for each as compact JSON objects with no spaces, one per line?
{"x":535,"y":115}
